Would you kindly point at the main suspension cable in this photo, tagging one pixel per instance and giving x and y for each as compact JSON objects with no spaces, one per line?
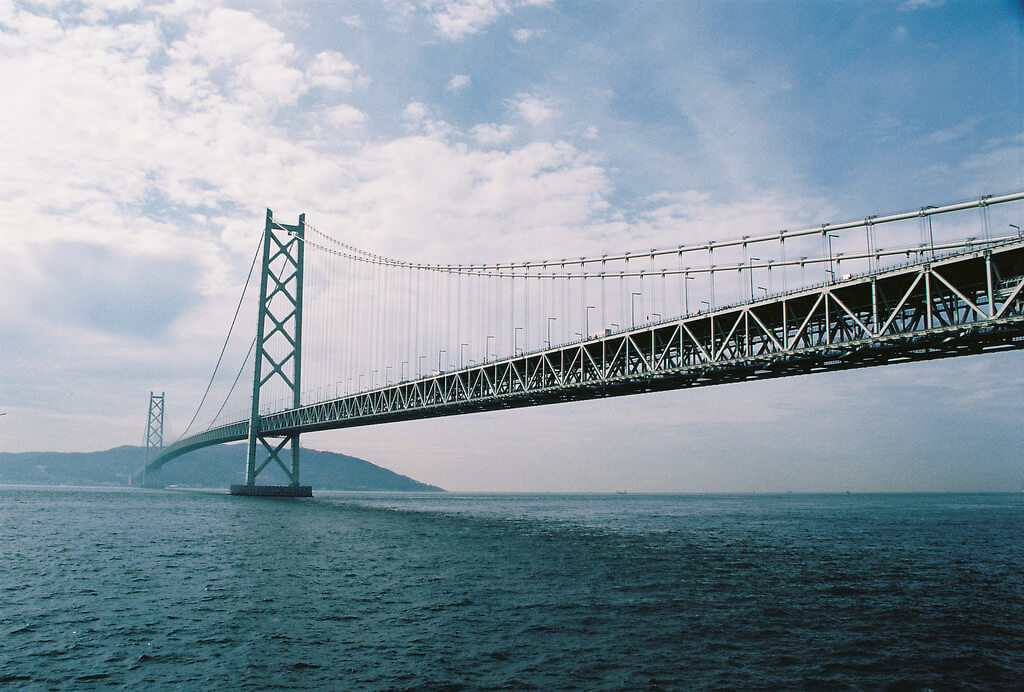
{"x":223,"y":348}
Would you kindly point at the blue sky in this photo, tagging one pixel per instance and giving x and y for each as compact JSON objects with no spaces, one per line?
{"x":143,"y":141}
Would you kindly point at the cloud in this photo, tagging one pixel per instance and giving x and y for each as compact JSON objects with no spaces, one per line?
{"x":955,"y":132}
{"x":255,"y":58}
{"x":331,"y":70}
{"x":490,"y":134}
{"x":911,"y":5}
{"x":533,"y":109}
{"x":458,"y":82}
{"x":110,"y":289}
{"x":455,"y":19}
{"x":345,"y":116}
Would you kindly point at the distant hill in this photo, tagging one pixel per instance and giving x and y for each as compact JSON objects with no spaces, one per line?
{"x":212,"y":467}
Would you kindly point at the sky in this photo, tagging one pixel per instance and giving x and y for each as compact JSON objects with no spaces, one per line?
{"x":142,"y":143}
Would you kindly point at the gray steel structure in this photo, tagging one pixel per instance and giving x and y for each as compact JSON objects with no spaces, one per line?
{"x":278,"y":343}
{"x":963,"y":303}
{"x":154,"y":430}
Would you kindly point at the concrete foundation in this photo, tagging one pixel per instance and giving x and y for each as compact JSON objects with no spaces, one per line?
{"x":273,"y":490}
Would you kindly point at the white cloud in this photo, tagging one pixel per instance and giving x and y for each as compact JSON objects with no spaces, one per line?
{"x":524,"y":35}
{"x":415,"y":112}
{"x":345,"y":116}
{"x":455,"y":19}
{"x":532,"y":108}
{"x":489,"y":134}
{"x":332,"y":70}
{"x":256,"y":57}
{"x":955,"y":132}
{"x":459,"y":81}
{"x":911,"y":5}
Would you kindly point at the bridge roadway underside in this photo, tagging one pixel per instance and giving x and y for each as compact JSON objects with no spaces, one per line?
{"x":948,"y":306}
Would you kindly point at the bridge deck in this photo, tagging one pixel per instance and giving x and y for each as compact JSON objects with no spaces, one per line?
{"x":951,"y":306}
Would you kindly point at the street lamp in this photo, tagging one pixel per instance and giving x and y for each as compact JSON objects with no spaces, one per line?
{"x":387,"y":378}
{"x":765,"y":291}
{"x":1013,"y":225}
{"x":461,"y":362}
{"x":831,"y":271}
{"x":657,"y":314}
{"x":515,"y":341}
{"x":587,"y":312}
{"x":405,"y":364}
{"x":632,"y":308}
{"x":487,"y":346}
{"x":931,"y":237}
{"x":550,"y":320}
{"x":686,"y":293}
{"x":704,"y":302}
{"x":751,"y":265}
{"x":443,"y":350}
{"x":419,"y":366}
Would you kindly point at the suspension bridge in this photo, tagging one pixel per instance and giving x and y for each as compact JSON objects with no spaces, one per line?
{"x":385,"y":339}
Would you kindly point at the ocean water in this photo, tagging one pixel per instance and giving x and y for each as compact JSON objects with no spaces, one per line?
{"x":104,"y":588}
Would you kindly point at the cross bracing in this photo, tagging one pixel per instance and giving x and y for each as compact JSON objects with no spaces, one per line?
{"x":944,"y":305}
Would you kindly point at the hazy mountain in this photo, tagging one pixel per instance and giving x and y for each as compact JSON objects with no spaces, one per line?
{"x":212,"y":467}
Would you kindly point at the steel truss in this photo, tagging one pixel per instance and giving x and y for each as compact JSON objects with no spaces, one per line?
{"x":963,"y":304}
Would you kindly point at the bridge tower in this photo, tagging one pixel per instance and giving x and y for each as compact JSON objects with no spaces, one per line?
{"x":154,"y":430}
{"x":278,"y":360}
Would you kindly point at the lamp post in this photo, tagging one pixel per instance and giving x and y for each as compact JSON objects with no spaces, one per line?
{"x":704,"y":302}
{"x":765,"y":291}
{"x":751,"y":275}
{"x":515,"y":341}
{"x":931,"y":236}
{"x":550,"y":320}
{"x":443,"y":350}
{"x":487,"y":346}
{"x":587,"y":312}
{"x":461,"y":361}
{"x":831,"y":271}
{"x":1015,"y":226}
{"x":632,"y":309}
{"x":419,"y":366}
{"x":686,"y":293}
{"x":387,"y":378}
{"x":405,"y":365}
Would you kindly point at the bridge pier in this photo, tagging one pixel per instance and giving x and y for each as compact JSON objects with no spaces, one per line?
{"x":272,"y":490}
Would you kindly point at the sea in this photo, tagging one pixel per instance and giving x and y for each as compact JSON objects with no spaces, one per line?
{"x":146,"y":589}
